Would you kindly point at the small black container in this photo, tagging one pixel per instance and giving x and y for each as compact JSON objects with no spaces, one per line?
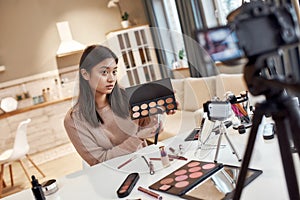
{"x":37,"y":189}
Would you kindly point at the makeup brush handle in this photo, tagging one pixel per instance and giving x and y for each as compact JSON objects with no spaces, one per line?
{"x":157,"y":130}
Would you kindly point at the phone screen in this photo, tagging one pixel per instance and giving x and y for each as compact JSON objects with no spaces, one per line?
{"x":221,"y":43}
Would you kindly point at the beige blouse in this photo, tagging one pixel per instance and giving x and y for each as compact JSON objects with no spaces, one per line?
{"x":116,"y":137}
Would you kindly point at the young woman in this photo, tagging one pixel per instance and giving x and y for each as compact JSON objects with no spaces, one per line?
{"x":99,"y":124}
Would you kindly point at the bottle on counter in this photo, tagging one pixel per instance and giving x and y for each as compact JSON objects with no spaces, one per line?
{"x":44,"y":94}
{"x":37,"y":189}
{"x":25,"y":92}
{"x":57,"y":91}
{"x":48,"y":94}
{"x":164,"y":156}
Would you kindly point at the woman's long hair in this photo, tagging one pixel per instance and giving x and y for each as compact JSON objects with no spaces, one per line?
{"x":118,"y":101}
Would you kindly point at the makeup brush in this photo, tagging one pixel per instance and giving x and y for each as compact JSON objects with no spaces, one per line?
{"x":159,"y":125}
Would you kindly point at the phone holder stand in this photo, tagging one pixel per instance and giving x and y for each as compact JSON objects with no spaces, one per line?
{"x":223,"y":131}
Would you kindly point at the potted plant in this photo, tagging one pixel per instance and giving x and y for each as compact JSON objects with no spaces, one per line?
{"x":125,"y":22}
{"x":124,"y":15}
{"x":181,"y":57}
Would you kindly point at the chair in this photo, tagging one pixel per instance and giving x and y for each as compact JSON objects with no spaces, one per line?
{"x":17,"y":153}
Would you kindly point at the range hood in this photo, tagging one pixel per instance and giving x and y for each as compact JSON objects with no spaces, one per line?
{"x":67,"y":46}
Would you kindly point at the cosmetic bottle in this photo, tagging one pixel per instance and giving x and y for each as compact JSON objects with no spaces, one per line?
{"x":164,"y":157}
{"x":44,"y":95}
{"x":37,"y":189}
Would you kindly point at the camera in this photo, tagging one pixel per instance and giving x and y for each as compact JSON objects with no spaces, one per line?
{"x":217,"y":110}
{"x":254,"y":29}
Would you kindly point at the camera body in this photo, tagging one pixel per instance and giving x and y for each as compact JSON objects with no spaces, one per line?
{"x":217,"y":110}
{"x":255,"y":28}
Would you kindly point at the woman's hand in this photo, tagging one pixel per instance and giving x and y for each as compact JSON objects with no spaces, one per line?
{"x":172,"y":112}
{"x":149,"y":132}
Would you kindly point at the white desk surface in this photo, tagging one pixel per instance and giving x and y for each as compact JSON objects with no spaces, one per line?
{"x":103,"y":180}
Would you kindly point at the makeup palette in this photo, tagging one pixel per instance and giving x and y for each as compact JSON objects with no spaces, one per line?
{"x":186,"y":177}
{"x":221,"y":184}
{"x":151,"y":98}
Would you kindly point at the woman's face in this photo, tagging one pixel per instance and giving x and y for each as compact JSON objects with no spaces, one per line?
{"x":102,"y":78}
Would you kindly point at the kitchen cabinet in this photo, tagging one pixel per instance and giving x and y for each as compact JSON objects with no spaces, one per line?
{"x":136,"y":52}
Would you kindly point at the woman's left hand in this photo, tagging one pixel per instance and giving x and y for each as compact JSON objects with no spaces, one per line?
{"x":172,"y":112}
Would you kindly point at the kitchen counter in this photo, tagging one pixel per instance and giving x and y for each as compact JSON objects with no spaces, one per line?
{"x":33,"y":107}
{"x":46,"y":129}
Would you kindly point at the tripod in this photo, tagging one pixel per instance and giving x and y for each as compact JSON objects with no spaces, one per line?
{"x":286,"y":115}
{"x":223,"y":131}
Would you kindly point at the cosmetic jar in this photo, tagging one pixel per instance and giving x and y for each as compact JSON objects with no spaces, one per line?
{"x":242,"y":129}
{"x":49,"y":187}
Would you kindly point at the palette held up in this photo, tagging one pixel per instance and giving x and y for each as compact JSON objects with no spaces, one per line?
{"x":151,"y":98}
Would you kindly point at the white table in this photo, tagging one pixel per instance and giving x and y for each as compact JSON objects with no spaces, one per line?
{"x":103,"y":180}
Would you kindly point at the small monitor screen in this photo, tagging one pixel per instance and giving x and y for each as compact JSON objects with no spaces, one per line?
{"x":220,"y":43}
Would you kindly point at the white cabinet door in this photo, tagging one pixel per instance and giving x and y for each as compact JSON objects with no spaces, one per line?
{"x":137,"y":57}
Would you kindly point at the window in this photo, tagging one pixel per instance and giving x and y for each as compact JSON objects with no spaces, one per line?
{"x":224,"y":7}
{"x":170,"y":30}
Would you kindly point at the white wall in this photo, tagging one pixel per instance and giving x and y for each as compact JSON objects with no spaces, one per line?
{"x":29,"y":38}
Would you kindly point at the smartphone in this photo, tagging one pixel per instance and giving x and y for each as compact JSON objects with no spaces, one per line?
{"x":128,"y":184}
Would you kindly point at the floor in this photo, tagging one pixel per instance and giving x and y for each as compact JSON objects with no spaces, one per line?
{"x":50,"y":162}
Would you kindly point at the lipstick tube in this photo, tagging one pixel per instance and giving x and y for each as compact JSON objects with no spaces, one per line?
{"x":153,"y":194}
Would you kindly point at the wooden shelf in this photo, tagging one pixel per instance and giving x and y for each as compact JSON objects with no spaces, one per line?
{"x":33,"y":107}
{"x":181,"y":69}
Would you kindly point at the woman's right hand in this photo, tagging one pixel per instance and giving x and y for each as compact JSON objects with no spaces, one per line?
{"x":150,"y":131}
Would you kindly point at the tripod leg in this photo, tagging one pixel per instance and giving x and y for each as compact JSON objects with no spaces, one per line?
{"x":232,"y":147}
{"x":218,"y":147}
{"x":257,"y":117}
{"x":294,"y":118}
{"x":286,"y":155}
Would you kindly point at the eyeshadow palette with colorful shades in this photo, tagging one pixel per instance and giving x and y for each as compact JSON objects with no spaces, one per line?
{"x":151,"y":98}
{"x":186,"y":177}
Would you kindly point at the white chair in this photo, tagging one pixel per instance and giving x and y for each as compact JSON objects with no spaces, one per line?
{"x":17,"y":153}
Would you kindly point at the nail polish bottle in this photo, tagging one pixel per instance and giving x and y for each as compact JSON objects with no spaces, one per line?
{"x":37,"y":189}
{"x":164,"y":157}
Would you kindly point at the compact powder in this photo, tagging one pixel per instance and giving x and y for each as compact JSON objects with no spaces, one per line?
{"x":193,"y":164}
{"x":181,"y":178}
{"x":144,"y":106}
{"x":166,"y":181}
{"x":195,"y":175}
{"x":182,"y":184}
{"x":169,"y":100}
{"x":208,"y":166}
{"x":153,"y":110}
{"x":161,"y":102}
{"x":194,"y":169}
{"x":136,"y":114}
{"x":180,"y":172}
{"x":135,"y":108}
{"x":170,"y":106}
{"x":152,"y":104}
{"x":144,"y":112}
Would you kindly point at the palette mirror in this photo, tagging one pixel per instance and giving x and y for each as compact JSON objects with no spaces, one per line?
{"x":220,"y":184}
{"x":197,"y":180}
